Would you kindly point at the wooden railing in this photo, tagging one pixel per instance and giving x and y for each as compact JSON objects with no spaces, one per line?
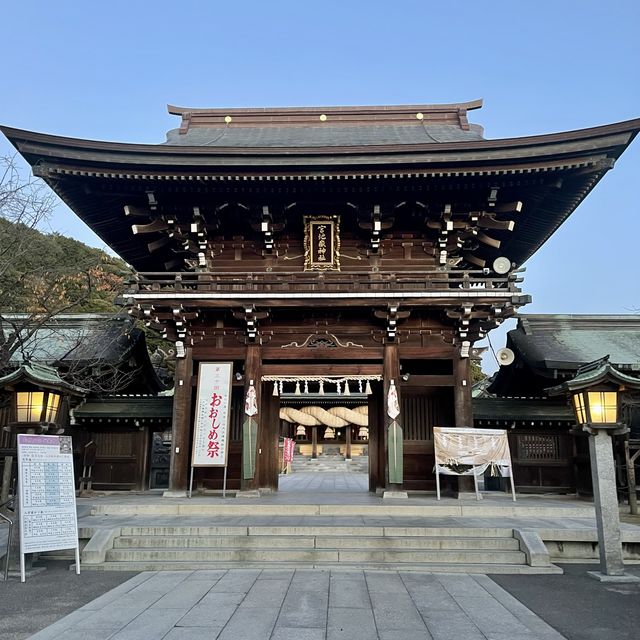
{"x":308,"y":282}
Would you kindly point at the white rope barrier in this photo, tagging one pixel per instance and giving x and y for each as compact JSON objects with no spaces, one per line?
{"x":333,"y":417}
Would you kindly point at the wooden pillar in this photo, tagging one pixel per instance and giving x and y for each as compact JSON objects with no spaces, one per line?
{"x":267,"y":458}
{"x":347,"y":453}
{"x":181,"y":425}
{"x":253,"y":372}
{"x":375,"y":446}
{"x":390,"y":371}
{"x":463,"y":410}
{"x":314,"y":442}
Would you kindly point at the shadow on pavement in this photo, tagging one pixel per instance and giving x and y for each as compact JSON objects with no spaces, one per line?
{"x":578,"y":606}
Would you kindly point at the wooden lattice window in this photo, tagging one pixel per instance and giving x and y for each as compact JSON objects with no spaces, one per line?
{"x":539,"y":447}
{"x":420,"y":413}
{"x":237,"y":414}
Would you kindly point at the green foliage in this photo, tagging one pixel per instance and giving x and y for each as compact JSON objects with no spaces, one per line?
{"x":48,"y":273}
{"x":476,"y":372}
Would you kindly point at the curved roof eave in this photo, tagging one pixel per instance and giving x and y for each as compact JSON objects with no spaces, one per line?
{"x":355,"y":109}
{"x":611,"y":139}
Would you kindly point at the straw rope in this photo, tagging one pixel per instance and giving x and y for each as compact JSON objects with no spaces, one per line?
{"x":333,"y":417}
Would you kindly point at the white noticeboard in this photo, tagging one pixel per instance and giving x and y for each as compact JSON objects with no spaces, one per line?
{"x":48,"y":518}
{"x":211,"y":428}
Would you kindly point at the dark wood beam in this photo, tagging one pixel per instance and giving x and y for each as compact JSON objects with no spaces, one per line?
{"x":328,"y":369}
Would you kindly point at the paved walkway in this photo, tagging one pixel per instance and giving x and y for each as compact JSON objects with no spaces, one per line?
{"x":244,"y":604}
{"x":324,"y":482}
{"x":314,"y":604}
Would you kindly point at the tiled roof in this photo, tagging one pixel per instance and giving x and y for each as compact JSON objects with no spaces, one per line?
{"x":88,"y":340}
{"x":322,"y":136}
{"x":523,"y":410}
{"x":551,"y":348}
{"x":80,"y":337}
{"x":569,"y":341}
{"x":40,"y":375}
{"x":126,"y":407}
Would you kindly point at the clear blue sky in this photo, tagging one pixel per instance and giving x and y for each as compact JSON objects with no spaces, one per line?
{"x":106,"y":70}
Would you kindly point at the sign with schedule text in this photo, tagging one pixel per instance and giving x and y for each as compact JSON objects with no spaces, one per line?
{"x":48,"y":519}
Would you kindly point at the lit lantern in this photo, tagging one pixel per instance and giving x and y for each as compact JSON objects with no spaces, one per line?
{"x":38,"y":391}
{"x":594,"y":397}
{"x":39,"y":407}
{"x":596,"y":406}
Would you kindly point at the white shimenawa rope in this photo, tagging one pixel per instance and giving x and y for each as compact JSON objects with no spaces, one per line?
{"x":333,"y":417}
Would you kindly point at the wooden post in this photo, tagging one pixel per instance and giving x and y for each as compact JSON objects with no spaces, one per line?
{"x":267,"y":465}
{"x":462,"y":407}
{"x":630,"y":461}
{"x":252,"y":371}
{"x":314,"y":442}
{"x":390,"y":371}
{"x":6,"y":479}
{"x":347,"y":453}
{"x":374,"y":445}
{"x":181,"y":426}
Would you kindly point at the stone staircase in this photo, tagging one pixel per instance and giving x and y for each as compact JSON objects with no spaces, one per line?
{"x":471,"y":550}
{"x":327,"y":463}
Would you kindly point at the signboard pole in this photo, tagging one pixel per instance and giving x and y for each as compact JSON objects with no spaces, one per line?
{"x":475,"y":483}
{"x":437,"y":481}
{"x":22,"y":571}
{"x":224,"y":483}
{"x":513,"y":489}
{"x":191,"y":482}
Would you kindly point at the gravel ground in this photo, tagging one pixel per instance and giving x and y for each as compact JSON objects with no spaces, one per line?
{"x":27,"y":607}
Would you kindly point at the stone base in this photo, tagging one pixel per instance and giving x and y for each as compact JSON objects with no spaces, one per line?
{"x":467,"y":495}
{"x":603,"y":577}
{"x":249,"y":493}
{"x":394,"y":495}
{"x":28,"y":572}
{"x":174,"y":494}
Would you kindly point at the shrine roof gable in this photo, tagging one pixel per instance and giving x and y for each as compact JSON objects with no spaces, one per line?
{"x":295,"y":127}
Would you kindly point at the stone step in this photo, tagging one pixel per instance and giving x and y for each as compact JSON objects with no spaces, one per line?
{"x":314,"y":542}
{"x":198,"y":542}
{"x":321,"y":530}
{"x":478,"y":568}
{"x":417,"y":543}
{"x":400,"y":509}
{"x":354,"y":556}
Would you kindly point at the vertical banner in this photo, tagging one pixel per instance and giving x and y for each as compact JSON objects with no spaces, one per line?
{"x":394,"y":437}
{"x":213,"y":406}
{"x":48,"y":519}
{"x":289,"y":445}
{"x":249,"y":433}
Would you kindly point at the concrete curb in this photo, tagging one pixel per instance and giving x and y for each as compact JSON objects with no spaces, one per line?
{"x":95,"y":552}
{"x":533,"y":547}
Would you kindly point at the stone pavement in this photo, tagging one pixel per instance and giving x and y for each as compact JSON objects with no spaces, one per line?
{"x":309,"y":604}
{"x":245,"y":604}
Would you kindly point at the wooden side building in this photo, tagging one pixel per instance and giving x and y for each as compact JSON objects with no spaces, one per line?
{"x":549,"y":454}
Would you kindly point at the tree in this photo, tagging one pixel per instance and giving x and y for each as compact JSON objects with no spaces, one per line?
{"x":477,"y":374}
{"x":43,"y":275}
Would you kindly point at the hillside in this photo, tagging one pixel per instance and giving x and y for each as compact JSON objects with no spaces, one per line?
{"x":49,"y":273}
